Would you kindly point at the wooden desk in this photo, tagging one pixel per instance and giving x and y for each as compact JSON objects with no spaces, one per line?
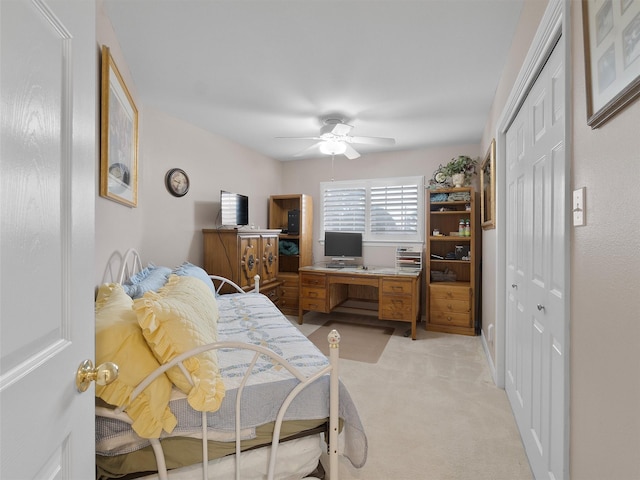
{"x":396,"y":293}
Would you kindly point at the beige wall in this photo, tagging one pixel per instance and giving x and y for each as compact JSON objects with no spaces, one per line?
{"x":605,"y":277}
{"x":605,"y":270}
{"x":304,"y":176}
{"x":167,"y":230}
{"x":530,"y":17}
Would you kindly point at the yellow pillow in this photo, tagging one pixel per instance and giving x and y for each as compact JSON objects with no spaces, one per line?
{"x":178,"y":317}
{"x":119,"y":339}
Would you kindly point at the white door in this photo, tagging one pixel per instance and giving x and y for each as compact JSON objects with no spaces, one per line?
{"x":536,"y":367}
{"x":48,"y":65}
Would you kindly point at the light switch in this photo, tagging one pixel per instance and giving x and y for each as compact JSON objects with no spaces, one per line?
{"x":579,"y":209}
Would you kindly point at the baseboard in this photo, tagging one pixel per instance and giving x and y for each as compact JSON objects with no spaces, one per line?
{"x":487,"y":352}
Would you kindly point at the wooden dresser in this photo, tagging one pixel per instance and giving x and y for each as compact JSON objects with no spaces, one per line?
{"x":240,"y":255}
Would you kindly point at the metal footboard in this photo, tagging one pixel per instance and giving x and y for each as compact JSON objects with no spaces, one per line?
{"x":331,"y":369}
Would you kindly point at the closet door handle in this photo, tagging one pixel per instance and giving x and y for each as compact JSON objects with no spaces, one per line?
{"x":540,"y":307}
{"x":514,"y":285}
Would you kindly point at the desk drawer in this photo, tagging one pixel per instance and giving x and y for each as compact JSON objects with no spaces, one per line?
{"x":313,"y":293}
{"x":312,"y":279}
{"x":396,"y":287}
{"x":396,"y":308}
{"x":314,"y":304}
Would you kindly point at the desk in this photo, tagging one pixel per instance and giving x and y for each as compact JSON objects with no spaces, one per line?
{"x":395,"y":292}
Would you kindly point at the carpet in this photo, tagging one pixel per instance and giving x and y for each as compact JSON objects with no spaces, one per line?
{"x":362,"y":343}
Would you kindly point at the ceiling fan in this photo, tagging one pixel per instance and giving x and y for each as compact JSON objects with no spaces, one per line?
{"x":335,"y":139}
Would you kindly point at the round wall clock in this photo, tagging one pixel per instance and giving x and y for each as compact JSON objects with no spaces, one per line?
{"x":177,"y":182}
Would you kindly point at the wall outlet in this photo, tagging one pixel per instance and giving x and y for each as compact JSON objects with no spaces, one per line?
{"x":579,"y":208}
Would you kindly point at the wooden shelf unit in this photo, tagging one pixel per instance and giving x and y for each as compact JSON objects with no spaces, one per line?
{"x":288,"y":265}
{"x":452,"y":303}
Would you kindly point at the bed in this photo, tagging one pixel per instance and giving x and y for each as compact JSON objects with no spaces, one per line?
{"x":249,"y":397}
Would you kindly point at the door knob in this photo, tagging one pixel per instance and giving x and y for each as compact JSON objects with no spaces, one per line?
{"x":103,"y":374}
{"x":514,"y":285}
{"x":540,"y":307}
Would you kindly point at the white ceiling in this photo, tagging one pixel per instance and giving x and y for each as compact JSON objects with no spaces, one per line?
{"x":423,"y":72}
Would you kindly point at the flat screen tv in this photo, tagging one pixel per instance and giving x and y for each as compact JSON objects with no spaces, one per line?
{"x":342,"y":245}
{"x":234,"y":209}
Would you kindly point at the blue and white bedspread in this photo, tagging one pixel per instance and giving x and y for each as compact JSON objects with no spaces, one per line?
{"x":253,"y":318}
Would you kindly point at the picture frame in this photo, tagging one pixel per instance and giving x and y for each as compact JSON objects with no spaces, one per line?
{"x":488,"y":188}
{"x":612,"y":57}
{"x":118,"y":136}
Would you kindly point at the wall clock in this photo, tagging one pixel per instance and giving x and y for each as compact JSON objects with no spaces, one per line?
{"x":177,"y":182}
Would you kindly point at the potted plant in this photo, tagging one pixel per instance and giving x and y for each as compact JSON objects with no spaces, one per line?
{"x":460,"y":169}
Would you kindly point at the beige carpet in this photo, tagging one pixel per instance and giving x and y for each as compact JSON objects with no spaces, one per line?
{"x":430,"y":410}
{"x":362,"y":343}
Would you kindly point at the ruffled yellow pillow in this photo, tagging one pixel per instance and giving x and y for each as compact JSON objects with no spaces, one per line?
{"x":119,"y":339}
{"x":180,"y":316}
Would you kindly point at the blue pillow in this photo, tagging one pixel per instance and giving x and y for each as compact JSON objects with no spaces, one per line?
{"x":190,"y":270}
{"x":153,"y":279}
{"x":141,"y":275}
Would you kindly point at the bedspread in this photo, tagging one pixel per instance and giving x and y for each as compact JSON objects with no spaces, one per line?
{"x":253,"y":318}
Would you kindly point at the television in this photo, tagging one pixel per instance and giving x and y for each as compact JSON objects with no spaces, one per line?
{"x":234,"y":209}
{"x":342,"y":246}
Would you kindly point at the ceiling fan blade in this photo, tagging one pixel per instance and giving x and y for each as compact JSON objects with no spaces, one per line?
{"x":374,"y":140}
{"x":341,"y":129}
{"x":310,"y":149}
{"x":300,"y":138}
{"x":350,"y":152}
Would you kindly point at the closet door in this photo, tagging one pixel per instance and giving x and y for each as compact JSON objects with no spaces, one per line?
{"x":537,"y":255}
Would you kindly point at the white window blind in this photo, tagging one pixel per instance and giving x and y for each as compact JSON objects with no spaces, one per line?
{"x":382,"y":209}
{"x":344,"y":209}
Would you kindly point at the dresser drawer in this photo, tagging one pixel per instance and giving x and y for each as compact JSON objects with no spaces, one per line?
{"x":450,"y":292}
{"x":396,"y":308}
{"x":453,"y":306}
{"x":396,"y":287}
{"x":440,"y":317}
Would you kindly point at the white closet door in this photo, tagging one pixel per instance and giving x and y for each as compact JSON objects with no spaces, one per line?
{"x":536,"y":265}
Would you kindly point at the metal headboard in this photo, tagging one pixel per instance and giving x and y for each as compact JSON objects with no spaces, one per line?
{"x":131,"y":264}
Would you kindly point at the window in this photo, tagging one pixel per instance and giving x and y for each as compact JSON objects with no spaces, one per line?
{"x":382,"y":209}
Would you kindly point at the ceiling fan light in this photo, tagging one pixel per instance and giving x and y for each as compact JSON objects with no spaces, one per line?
{"x":332,"y":147}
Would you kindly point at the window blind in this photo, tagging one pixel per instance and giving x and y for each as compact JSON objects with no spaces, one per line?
{"x":382,"y":209}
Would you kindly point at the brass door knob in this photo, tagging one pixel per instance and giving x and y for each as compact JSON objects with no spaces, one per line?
{"x":104,"y":374}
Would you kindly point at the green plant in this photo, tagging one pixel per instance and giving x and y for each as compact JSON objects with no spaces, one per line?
{"x":461,"y":164}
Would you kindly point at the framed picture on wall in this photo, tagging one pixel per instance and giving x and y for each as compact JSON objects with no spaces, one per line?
{"x":488,"y":188}
{"x":612,"y":56}
{"x":118,"y":136}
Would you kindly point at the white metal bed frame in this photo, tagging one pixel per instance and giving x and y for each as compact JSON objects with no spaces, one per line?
{"x":131,"y":263}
